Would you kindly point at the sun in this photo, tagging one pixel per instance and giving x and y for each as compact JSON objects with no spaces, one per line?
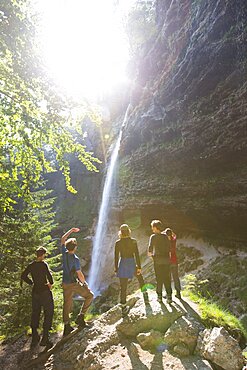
{"x":84,"y":45}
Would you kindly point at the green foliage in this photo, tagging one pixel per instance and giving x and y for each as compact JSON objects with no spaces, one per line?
{"x":132,"y":218}
{"x":212,"y":314}
{"x":23,"y":229}
{"x":229,"y":293}
{"x":140,"y":25}
{"x":38,"y":134}
{"x":34,"y":117}
{"x":125,"y":175}
{"x":57,"y":296}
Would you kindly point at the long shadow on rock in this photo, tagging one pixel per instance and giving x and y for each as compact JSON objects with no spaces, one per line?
{"x":157,"y":363}
{"x":134,"y":357}
{"x":148,"y":309}
{"x":188,"y":310}
{"x":159,"y":319}
{"x":195,"y":363}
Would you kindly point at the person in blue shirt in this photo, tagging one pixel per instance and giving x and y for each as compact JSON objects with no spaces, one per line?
{"x":73,"y":282}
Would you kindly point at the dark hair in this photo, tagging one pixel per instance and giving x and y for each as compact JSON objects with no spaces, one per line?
{"x":157,"y":224}
{"x":40,"y":251}
{"x":70,"y":244}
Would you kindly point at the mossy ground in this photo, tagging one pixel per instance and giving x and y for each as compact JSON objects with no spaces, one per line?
{"x":212,"y":313}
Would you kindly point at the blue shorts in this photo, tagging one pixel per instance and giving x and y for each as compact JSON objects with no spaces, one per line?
{"x":126,"y":268}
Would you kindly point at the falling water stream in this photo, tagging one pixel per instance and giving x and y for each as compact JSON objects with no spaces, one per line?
{"x":99,"y":256}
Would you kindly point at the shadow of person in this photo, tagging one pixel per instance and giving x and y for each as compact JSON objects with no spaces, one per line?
{"x":134,"y":357}
{"x":170,"y":308}
{"x":157,"y":363}
{"x":164,"y":308}
{"x":148,"y":308}
{"x":195,"y":363}
{"x":186,"y":307}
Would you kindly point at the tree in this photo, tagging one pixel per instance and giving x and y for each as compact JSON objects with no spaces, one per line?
{"x":34,"y":116}
{"x":140,"y":24}
{"x":35,"y":138}
{"x":23,"y":229}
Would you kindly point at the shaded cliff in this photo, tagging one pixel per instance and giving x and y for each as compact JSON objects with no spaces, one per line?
{"x":183,"y":153}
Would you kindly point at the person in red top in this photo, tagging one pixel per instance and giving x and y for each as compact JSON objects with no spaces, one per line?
{"x":174,"y":262}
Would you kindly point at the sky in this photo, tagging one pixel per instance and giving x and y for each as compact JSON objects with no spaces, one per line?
{"x":84,"y":45}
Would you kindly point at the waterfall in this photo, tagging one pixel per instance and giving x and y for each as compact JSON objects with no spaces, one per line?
{"x":99,"y":256}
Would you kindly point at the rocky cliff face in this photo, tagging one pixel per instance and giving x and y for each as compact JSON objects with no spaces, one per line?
{"x":183,"y":153}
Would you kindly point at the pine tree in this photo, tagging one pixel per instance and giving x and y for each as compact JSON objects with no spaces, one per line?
{"x":22,"y":231}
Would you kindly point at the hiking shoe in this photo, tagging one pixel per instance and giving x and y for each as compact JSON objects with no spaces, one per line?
{"x":169,"y":300}
{"x":80,"y":321}
{"x":67,"y":329}
{"x":45,"y":341}
{"x":178,"y":295}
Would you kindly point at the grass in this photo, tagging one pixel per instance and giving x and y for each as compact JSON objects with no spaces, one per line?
{"x":211,"y":313}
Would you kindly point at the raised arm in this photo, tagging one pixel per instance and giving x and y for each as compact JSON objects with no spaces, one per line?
{"x":67,"y":234}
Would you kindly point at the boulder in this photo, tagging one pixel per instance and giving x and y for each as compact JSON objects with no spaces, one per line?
{"x":153,"y":316}
{"x":136,"y":323}
{"x":219,"y":347}
{"x":183,"y":331}
{"x":181,"y":350}
{"x":150,"y":340}
{"x":115,"y":313}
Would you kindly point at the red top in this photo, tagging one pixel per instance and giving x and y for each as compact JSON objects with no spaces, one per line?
{"x":173,"y":258}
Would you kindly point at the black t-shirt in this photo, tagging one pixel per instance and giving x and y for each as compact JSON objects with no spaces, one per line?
{"x":40,"y":276}
{"x":127,"y":248}
{"x":159,"y":246}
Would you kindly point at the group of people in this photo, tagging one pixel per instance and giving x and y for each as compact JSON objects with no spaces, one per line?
{"x":73,"y":282}
{"x":162,"y":248}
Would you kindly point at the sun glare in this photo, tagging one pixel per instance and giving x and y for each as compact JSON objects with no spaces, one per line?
{"x":84,"y":45}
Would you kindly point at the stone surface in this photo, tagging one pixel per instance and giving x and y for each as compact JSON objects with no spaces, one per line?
{"x":184,"y":145}
{"x":150,"y":340}
{"x":219,"y":347}
{"x":181,"y":350}
{"x":143,"y":318}
{"x":183,"y":331}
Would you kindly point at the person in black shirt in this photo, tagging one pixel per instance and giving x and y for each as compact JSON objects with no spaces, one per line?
{"x":41,"y":296}
{"x":127,"y":263}
{"x":159,"y":249}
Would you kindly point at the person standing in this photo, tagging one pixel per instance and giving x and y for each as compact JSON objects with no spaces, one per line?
{"x":174,"y":262}
{"x":159,"y":249}
{"x":42,"y":282}
{"x":127,"y":263}
{"x":73,"y":282}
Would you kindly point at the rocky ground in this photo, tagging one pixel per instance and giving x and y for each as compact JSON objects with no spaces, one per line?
{"x":153,"y":336}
